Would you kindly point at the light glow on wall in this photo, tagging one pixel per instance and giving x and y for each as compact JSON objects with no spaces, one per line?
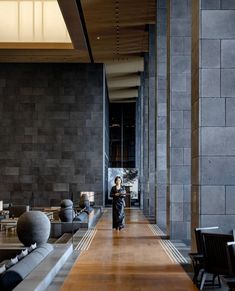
{"x":32,"y":21}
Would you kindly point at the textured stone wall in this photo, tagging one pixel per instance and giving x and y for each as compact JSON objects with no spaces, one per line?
{"x":152,"y":122}
{"x":161,"y":113}
{"x":51,"y":132}
{"x":214,"y":135}
{"x":145,"y":184}
{"x":179,"y":110}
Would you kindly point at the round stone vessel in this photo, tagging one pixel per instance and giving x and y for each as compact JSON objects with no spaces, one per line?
{"x":33,"y":227}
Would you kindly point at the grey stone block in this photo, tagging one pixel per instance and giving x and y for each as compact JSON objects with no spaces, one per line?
{"x":218,"y":141}
{"x":162,"y":3}
{"x":180,"y":46}
{"x":177,"y":211}
{"x":180,"y":64}
{"x":180,"y":101}
{"x":230,"y":109}
{"x":187,"y":213}
{"x":161,"y":204}
{"x":177,"y":193}
{"x":177,"y":156}
{"x":161,"y":136}
{"x":228,"y":83}
{"x":161,"y":83}
{"x":161,"y":41}
{"x":227,"y":4}
{"x":161,"y":123}
{"x":180,"y":175}
{"x":161,"y":111}
{"x":161,"y":149}
{"x":179,"y":8}
{"x":177,"y":120}
{"x":212,"y":200}
{"x":213,"y":112}
{"x":179,"y":229}
{"x":212,"y":167}
{"x":161,"y":69}
{"x":218,"y":24}
{"x":161,"y":54}
{"x":210,"y":4}
{"x":187,"y":156}
{"x":162,"y":28}
{"x":178,"y":82}
{"x":187,"y":119}
{"x":161,"y":15}
{"x":210,"y":80}
{"x":161,"y":190}
{"x":187,"y":193}
{"x":225,"y":222}
{"x":161,"y":163}
{"x":210,"y":53}
{"x":230,"y":200}
{"x":180,"y":27}
{"x":162,"y":176}
{"x":180,"y":138}
{"x":14,"y":171}
{"x":228,"y":53}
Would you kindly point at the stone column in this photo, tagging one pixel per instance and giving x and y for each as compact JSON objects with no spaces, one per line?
{"x":161,"y":112}
{"x":179,"y":122}
{"x":146,"y":138}
{"x":139,"y":138}
{"x":213,"y":118}
{"x":152,"y":122}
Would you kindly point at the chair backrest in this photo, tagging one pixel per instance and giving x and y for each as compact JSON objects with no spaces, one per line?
{"x":215,"y":252}
{"x":231,"y":257}
{"x":198,"y":235}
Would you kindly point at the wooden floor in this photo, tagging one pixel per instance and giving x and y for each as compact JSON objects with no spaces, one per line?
{"x":131,"y":259}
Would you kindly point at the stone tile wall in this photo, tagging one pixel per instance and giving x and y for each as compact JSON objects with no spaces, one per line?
{"x":215,"y":133}
{"x":179,"y":125}
{"x":161,"y":100}
{"x":51,"y":132}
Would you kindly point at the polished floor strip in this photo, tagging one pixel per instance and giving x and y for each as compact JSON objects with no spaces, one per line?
{"x":168,"y":246}
{"x":132,"y":259}
{"x":157,"y":230}
{"x":85,"y":242}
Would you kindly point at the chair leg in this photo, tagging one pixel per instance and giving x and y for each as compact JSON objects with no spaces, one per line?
{"x":203,"y":281}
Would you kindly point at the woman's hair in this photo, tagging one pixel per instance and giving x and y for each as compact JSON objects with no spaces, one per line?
{"x":118,"y":177}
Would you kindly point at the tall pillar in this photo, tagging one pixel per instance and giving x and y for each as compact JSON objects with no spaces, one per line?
{"x":139,"y":140}
{"x":145,"y":173}
{"x":161,"y":113}
{"x":213,"y":118}
{"x":152,"y":122}
{"x":179,"y":121}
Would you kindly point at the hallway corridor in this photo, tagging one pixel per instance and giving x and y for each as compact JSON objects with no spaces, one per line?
{"x":131,"y":259}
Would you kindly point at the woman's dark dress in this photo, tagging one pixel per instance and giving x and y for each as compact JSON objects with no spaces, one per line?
{"x":118,"y":207}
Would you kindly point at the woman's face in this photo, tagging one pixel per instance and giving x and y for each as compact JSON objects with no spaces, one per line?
{"x":118,"y":181}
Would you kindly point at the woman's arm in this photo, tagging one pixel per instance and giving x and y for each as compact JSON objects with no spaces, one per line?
{"x":113,"y":192}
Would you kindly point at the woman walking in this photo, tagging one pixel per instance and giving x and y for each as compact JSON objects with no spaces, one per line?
{"x":118,"y":194}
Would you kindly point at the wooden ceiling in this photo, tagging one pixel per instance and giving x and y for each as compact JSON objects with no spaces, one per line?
{"x":118,"y":37}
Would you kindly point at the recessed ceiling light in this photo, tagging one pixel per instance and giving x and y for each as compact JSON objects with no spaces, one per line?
{"x":98,"y":37}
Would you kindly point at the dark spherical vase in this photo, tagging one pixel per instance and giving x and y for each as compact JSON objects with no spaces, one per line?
{"x":33,"y":227}
{"x":66,"y":214}
{"x":66,"y":203}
